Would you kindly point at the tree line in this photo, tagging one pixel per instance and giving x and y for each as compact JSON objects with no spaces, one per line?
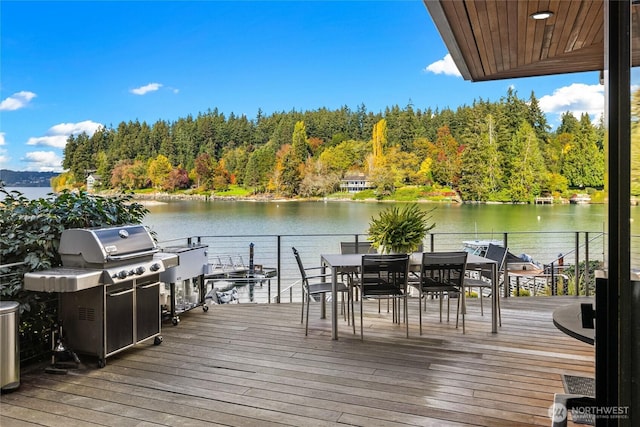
{"x":487,"y":151}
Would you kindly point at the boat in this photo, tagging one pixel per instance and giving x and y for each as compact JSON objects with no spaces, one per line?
{"x":580,"y":199}
{"x":515,"y":263}
{"x":479,"y":247}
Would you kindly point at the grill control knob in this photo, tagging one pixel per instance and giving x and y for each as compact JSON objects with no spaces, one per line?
{"x":140,"y":270}
{"x":130,"y":273}
{"x":122,"y":274}
{"x":154,"y":267}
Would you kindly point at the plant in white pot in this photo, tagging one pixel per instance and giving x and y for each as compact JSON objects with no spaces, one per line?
{"x":400,"y":230}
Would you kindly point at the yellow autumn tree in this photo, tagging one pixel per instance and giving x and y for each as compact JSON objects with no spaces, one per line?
{"x":158,"y":170}
{"x":379,"y":142}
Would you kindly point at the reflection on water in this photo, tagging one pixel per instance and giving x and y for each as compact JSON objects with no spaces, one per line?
{"x":542,"y":231}
{"x":179,"y":219}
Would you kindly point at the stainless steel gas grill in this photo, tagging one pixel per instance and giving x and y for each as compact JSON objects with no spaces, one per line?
{"x":109,"y":288}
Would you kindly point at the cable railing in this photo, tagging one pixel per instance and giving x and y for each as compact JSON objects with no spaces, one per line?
{"x":566,"y":260}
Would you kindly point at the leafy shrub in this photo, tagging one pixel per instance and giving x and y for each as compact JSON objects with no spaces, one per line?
{"x":407,"y":194}
{"x":522,"y":293}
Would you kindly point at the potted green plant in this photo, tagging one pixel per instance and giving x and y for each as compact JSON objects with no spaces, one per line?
{"x":400,"y":230}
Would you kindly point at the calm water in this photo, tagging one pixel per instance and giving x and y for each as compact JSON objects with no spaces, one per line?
{"x":176,"y":219}
{"x":179,"y":219}
{"x":541,"y":231}
{"x":30,"y":192}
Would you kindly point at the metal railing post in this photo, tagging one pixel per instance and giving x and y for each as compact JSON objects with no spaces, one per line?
{"x":507,"y":280}
{"x":279,"y":263}
{"x":587,"y":281}
{"x":577,"y":266}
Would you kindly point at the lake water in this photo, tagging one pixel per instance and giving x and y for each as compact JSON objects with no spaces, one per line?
{"x":175,"y":219}
{"x":30,"y":192}
{"x":181,"y":219}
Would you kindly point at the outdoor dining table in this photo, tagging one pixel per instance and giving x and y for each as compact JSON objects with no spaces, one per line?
{"x":342,"y":261}
{"x":568,"y":319}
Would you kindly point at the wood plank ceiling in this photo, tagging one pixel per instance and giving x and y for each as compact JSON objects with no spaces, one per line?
{"x":498,"y":39}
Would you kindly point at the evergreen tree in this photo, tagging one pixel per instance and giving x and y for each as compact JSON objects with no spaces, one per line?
{"x":481,"y":174}
{"x":446,"y":155}
{"x":292,"y":161}
{"x":236,"y":160}
{"x":204,"y":170}
{"x":568,"y":124}
{"x":583,"y":164}
{"x":528,"y":173}
{"x":300,"y":145}
{"x":83,"y":160}
{"x":260,"y":167}
{"x":538,"y":119}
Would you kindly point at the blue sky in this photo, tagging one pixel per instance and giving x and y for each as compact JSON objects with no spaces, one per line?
{"x":68,"y":67}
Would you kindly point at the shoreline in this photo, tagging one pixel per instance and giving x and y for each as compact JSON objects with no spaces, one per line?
{"x":151,"y":199}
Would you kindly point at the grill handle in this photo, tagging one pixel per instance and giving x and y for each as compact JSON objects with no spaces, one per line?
{"x":117,"y":294}
{"x":151,"y":285}
{"x":132,"y":255}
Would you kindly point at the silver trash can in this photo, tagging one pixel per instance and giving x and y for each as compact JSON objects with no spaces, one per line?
{"x":9,"y":346}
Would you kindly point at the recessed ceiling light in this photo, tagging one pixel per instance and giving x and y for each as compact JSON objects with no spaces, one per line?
{"x":542,"y":15}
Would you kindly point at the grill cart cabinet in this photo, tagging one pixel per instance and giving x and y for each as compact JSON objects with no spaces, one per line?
{"x":104,"y":320}
{"x":184,"y":284}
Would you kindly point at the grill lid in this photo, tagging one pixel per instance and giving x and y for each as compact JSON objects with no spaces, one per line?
{"x":99,"y":247}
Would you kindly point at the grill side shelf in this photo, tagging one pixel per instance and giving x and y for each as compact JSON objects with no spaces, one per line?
{"x":63,"y":279}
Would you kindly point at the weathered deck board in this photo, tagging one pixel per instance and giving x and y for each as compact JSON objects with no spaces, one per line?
{"x":251,"y":365}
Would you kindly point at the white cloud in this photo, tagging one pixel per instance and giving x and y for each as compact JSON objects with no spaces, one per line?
{"x":57,"y":135}
{"x":578,"y":98}
{"x":87,"y":126}
{"x":4,"y":159}
{"x":43,"y":161}
{"x":142,"y":90}
{"x":444,"y":66}
{"x":56,"y":141}
{"x":17,"y":101}
{"x":3,"y":153}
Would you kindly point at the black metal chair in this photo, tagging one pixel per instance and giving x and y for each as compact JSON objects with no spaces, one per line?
{"x":384,"y":276}
{"x":441,"y":274}
{"x":351,"y":273}
{"x":481,"y":279}
{"x":319,"y":284}
{"x":359,"y":247}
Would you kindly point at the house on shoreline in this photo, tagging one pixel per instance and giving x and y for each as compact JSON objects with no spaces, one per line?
{"x":355,"y":182}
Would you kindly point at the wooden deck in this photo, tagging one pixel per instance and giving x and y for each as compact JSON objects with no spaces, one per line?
{"x":251,"y":365}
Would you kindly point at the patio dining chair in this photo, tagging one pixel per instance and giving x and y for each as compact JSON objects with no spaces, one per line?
{"x":359,"y":247}
{"x":384,"y":276}
{"x":315,"y":283}
{"x":481,"y":279}
{"x":351,"y":273}
{"x":441,"y":274}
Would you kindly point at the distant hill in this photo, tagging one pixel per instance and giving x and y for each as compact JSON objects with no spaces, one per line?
{"x":26,"y":178}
